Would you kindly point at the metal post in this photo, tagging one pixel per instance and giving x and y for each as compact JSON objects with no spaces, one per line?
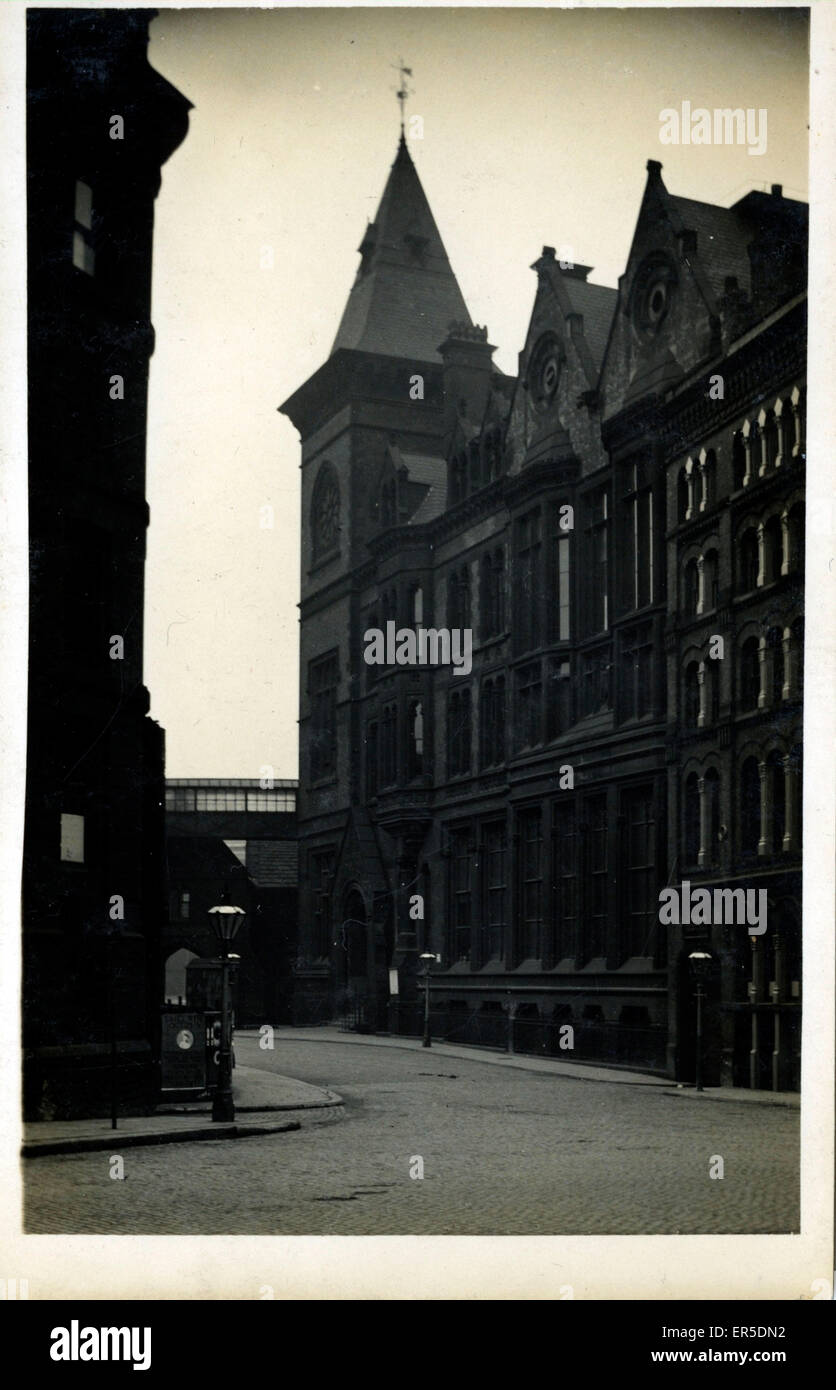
{"x":426,"y":1041}
{"x":223,"y":1108}
{"x":698,"y":1078}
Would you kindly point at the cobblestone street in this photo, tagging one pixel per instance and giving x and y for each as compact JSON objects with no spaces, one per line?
{"x":505,"y":1151}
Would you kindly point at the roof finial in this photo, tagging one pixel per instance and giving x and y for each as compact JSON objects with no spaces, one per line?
{"x":403,"y":90}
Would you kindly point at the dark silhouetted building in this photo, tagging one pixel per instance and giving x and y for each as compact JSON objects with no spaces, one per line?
{"x":101,"y":122}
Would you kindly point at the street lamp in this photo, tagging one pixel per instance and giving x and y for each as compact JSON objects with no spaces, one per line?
{"x":226,"y":921}
{"x":700,"y":962}
{"x":427,"y":956}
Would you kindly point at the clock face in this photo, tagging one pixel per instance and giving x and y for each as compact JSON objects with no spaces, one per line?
{"x":185,"y":1039}
{"x":326,"y":514}
{"x":544,"y":373}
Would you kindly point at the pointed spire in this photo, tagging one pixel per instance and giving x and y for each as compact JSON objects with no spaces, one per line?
{"x":405,"y":294}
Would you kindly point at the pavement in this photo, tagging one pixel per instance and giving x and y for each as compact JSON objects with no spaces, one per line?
{"x":259,"y":1095}
{"x":553,"y":1066}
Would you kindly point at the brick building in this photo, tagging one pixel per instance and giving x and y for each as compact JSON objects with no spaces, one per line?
{"x":93,"y":883}
{"x":587,"y":521}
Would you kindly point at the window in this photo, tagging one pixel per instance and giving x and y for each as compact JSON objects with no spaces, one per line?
{"x":416,"y":595}
{"x":795,"y":558}
{"x":492,"y":593}
{"x":180,"y":799}
{"x":371,"y":759}
{"x":458,"y":598}
{"x":84,"y":257}
{"x":597,"y":879}
{"x":739,"y":459}
{"x":388,"y":745}
{"x":772,"y":550}
{"x":750,"y":674}
{"x":565,"y":879}
{"x":712,"y":816}
{"x":492,"y":722}
{"x":797,"y":632}
{"x":274,"y":801}
{"x":221,"y":800}
{"x":531,"y":885}
{"x":559,"y":612}
{"x":642,"y":901}
{"x":459,"y":732}
{"x":322,"y":870}
{"x":638,"y":673}
{"x":495,"y":888}
{"x":775,"y":650}
{"x":461,"y":858}
{"x":415,"y":758}
{"x":691,"y":589}
{"x":777,"y":793}
{"x":691,"y":696}
{"x":682,"y":498}
{"x":325,"y":512}
{"x":559,"y":698}
{"x":528,"y":582}
{"x":595,"y":682}
{"x":529,"y":706}
{"x":748,"y":561}
{"x":708,"y":473}
{"x":710,"y":581}
{"x":637,"y":578}
{"x":750,"y":807}
{"x":322,"y":684}
{"x":692,"y":820}
{"x":184,"y":906}
{"x":72,"y":839}
{"x":596,"y":548}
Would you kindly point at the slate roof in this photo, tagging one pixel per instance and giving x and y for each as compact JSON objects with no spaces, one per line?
{"x":597,"y":304}
{"x":405,"y":294}
{"x":722,"y":238}
{"x":273,"y":863}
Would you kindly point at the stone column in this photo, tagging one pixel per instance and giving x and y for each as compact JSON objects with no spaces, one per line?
{"x":791,"y":791}
{"x":747,"y":433}
{"x":761,"y":557}
{"x":701,"y":584}
{"x":702,"y":713}
{"x":765,"y":840}
{"x":781,"y":430}
{"x":795,"y":402}
{"x":763,"y":438}
{"x":703,"y":486}
{"x":702,"y":856}
{"x":790,"y":663}
{"x":689,"y":479}
{"x":785,"y":542}
{"x":764,"y":672}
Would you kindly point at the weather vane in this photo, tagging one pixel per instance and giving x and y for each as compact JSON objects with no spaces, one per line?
{"x":403,"y":90}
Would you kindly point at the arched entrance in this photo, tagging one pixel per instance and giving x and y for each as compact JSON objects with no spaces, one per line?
{"x":175,"y":976}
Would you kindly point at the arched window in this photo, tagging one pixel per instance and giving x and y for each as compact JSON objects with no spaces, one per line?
{"x":712,"y":816}
{"x":710,"y":581}
{"x":796,"y":538}
{"x":773,"y":548}
{"x":777,"y":794}
{"x":692,"y":819}
{"x":798,"y":655}
{"x":691,"y":588}
{"x":750,"y":674}
{"x":691,"y":700}
{"x":682,"y":496}
{"x":459,"y":728}
{"x":712,"y":692}
{"x":750,"y":806}
{"x":775,"y":649}
{"x":738,"y":459}
{"x":325,"y":512}
{"x":748,"y":561}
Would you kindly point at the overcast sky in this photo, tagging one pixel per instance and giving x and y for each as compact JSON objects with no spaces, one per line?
{"x":537,"y":128}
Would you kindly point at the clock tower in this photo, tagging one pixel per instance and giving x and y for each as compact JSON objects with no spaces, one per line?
{"x":373,"y":421}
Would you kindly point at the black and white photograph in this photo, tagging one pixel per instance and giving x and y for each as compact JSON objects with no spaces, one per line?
{"x":426,"y":814}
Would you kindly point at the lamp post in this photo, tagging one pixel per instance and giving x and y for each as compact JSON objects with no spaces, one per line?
{"x":226,"y":921}
{"x":700,"y":962}
{"x":427,"y":957}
